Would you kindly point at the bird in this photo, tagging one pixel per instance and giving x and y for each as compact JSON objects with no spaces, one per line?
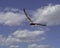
{"x":31,"y":22}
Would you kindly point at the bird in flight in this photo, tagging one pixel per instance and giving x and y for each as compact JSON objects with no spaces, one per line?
{"x":31,"y":22}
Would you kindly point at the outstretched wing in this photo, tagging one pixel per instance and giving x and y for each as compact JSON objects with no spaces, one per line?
{"x":40,"y":24}
{"x":27,"y":16}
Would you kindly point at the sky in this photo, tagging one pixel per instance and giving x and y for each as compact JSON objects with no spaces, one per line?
{"x":15,"y":31}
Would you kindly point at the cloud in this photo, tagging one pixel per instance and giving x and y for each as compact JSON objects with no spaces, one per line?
{"x":5,"y":41}
{"x":49,"y":15}
{"x":39,"y":46}
{"x":29,"y":36}
{"x":14,"y":46}
{"x":20,"y":36}
{"x":2,"y":39}
{"x":11,"y":17}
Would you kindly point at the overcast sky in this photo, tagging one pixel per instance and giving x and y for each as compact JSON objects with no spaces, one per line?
{"x":15,"y":31}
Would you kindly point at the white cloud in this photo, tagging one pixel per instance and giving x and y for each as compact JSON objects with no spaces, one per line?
{"x":14,"y":46}
{"x":29,"y":36}
{"x":5,"y":41}
{"x":11,"y":17}
{"x":22,"y":36}
{"x":48,"y":14}
{"x":11,"y":9}
{"x":2,"y":39}
{"x":39,"y":46}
